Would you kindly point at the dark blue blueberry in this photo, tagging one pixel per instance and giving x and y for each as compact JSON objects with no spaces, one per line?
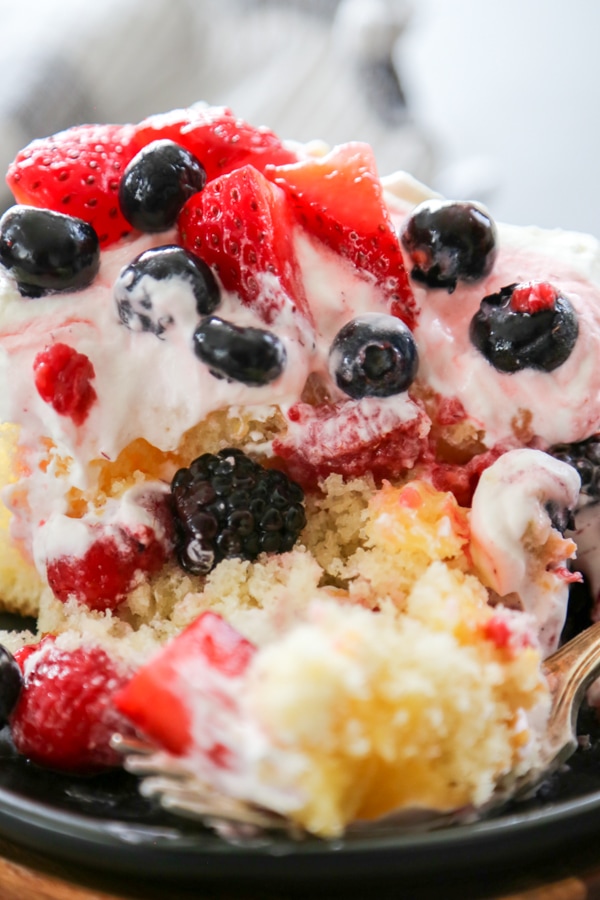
{"x":373,"y":356}
{"x":156,"y":184}
{"x":250,"y":355}
{"x":449,"y":241}
{"x":140,"y":294}
{"x":10,"y":684}
{"x":584,"y":456}
{"x":512,"y":340}
{"x":47,"y":251}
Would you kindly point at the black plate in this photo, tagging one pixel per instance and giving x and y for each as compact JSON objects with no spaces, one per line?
{"x":90,"y":820}
{"x":87,"y":820}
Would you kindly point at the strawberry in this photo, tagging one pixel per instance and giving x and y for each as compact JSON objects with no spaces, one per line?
{"x":219,"y":140}
{"x":200,"y":662}
{"x":109,"y":569}
{"x":64,"y":717}
{"x":350,"y":438}
{"x":338,"y":198}
{"x":240,"y":225}
{"x":77,"y":172}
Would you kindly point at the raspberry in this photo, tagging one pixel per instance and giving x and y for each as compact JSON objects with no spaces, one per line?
{"x":63,"y":379}
{"x":109,"y":569}
{"x":350,"y":439}
{"x":64,"y":718}
{"x":229,"y":506}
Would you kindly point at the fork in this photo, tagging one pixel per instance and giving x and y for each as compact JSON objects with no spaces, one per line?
{"x":569,"y":673}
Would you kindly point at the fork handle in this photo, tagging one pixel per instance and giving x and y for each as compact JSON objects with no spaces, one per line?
{"x":570,"y":671}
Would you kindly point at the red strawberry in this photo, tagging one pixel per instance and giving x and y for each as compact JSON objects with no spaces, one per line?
{"x":158,"y":698}
{"x":64,"y":717}
{"x":338,"y":198}
{"x":109,"y":569}
{"x":217,"y":138}
{"x":240,"y":224}
{"x":351,"y":438}
{"x":63,"y":379}
{"x":77,"y":172}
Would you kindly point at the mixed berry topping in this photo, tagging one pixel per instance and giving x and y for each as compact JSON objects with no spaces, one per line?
{"x":449,"y":241}
{"x":524,"y":326}
{"x":226,"y":505}
{"x":250,"y":355}
{"x":11,"y":682}
{"x":156,"y":184}
{"x":584,"y":456}
{"x":373,"y":356}
{"x":143,"y":301}
{"x":47,"y":251}
{"x":63,"y":378}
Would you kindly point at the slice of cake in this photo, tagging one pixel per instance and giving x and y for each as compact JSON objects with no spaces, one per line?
{"x":274,"y":427}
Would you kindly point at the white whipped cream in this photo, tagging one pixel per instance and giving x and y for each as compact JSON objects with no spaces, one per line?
{"x":510,"y":523}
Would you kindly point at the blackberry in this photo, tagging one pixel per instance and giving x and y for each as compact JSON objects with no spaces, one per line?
{"x":449,"y":241}
{"x":47,"y":251}
{"x":11,"y":682}
{"x":584,"y":456}
{"x":228,"y":506}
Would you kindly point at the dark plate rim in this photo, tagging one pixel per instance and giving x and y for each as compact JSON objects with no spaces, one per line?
{"x":188,"y":853}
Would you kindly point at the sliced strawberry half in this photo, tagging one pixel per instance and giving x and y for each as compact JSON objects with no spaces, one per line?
{"x":159,"y":698}
{"x":240,"y":224}
{"x":338,"y":198}
{"x":351,"y":439}
{"x":217,"y":138}
{"x":77,"y":172}
{"x":64,"y":717}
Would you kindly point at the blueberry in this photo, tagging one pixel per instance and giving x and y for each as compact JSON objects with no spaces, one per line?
{"x":449,"y":241}
{"x":512,"y":339}
{"x":151,"y":287}
{"x":373,"y":356}
{"x":250,"y":355}
{"x":156,"y":184}
{"x":48,"y":251}
{"x":10,"y":684}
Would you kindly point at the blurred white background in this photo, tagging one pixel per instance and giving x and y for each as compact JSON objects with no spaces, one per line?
{"x":489,"y":99}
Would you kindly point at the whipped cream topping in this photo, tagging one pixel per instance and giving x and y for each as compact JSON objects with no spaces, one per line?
{"x":515,"y":548}
{"x":154,"y":387}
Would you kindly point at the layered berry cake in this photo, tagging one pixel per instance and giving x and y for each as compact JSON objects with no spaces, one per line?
{"x":291,"y":457}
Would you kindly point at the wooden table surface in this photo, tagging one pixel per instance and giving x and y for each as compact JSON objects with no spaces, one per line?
{"x":572,"y":875}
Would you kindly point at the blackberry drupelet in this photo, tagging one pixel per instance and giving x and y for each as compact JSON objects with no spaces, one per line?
{"x":228,"y":506}
{"x":584,"y":456}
